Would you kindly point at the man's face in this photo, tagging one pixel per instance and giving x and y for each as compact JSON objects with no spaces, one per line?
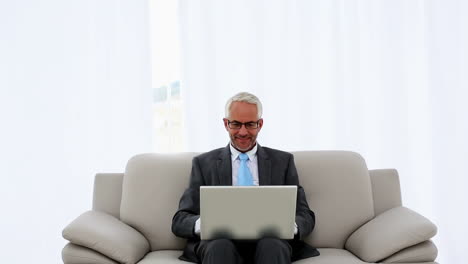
{"x":243,"y":139}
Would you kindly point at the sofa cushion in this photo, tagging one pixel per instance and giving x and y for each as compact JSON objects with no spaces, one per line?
{"x":107,"y":235}
{"x":151,"y":189}
{"x":163,"y":257}
{"x":332,"y":256}
{"x":390,"y":232}
{"x":338,"y":189}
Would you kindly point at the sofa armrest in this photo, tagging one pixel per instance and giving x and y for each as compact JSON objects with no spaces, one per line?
{"x":74,"y":254}
{"x":388,"y":233}
{"x":422,"y":252}
{"x":107,"y":193}
{"x":108,"y":236}
{"x":385,"y":189}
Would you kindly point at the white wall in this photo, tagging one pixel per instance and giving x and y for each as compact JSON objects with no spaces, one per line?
{"x":75,"y":99}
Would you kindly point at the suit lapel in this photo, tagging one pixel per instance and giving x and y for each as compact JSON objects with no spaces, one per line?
{"x":264,"y":166}
{"x":224,"y":167}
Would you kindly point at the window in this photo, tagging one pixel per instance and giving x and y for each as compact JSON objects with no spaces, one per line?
{"x":168,"y":104}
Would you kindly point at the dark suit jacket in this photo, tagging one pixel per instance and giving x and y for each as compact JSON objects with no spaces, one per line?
{"x":214,"y":168}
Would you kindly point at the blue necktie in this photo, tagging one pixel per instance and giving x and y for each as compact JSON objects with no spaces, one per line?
{"x":244,"y":177}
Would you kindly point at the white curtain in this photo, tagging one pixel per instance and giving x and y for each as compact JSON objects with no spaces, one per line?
{"x":75,"y":99}
{"x":387,"y":79}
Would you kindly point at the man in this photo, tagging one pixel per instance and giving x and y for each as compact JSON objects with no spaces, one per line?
{"x":227,"y":166}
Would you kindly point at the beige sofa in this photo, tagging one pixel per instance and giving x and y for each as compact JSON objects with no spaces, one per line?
{"x":359,"y":215}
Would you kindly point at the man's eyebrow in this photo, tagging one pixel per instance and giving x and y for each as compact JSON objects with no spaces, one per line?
{"x":244,"y":122}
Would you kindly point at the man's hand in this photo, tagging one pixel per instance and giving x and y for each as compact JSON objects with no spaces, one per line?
{"x":197,"y":227}
{"x":197,"y":230}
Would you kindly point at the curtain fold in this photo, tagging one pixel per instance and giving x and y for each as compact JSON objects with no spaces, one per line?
{"x":387,"y":79}
{"x":75,"y":99}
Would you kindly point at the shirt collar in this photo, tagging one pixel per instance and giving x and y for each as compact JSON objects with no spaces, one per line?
{"x":251,"y":153}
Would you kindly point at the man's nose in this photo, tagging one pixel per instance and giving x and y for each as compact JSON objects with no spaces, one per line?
{"x":243,"y":130}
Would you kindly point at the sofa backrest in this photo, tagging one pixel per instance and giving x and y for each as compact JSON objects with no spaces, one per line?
{"x":336,"y":183}
{"x":338,"y":190}
{"x":151,"y":190}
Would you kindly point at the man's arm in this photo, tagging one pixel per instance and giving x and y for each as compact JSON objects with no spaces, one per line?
{"x":183,"y":222}
{"x":305,"y":218}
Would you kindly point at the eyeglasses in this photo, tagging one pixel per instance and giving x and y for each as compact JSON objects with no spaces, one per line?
{"x":238,"y":125}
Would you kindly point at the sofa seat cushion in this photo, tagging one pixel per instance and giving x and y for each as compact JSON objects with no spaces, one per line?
{"x":327,"y":256}
{"x":163,"y":257}
{"x":332,"y":256}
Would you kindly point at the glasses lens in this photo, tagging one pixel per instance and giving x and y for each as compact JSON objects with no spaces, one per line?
{"x":251,"y":125}
{"x":235,"y":125}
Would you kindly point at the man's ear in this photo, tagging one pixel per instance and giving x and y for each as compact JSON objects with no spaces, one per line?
{"x":260,"y":123}
{"x":225,"y":120}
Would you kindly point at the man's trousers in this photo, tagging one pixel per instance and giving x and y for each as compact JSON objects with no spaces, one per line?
{"x":263,"y":251}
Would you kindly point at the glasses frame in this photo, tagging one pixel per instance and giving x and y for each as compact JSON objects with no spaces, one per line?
{"x":244,"y":124}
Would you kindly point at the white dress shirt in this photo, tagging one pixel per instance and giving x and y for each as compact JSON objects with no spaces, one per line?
{"x":252,"y":164}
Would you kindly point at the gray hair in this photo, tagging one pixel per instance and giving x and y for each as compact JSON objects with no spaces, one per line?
{"x":247,"y":98}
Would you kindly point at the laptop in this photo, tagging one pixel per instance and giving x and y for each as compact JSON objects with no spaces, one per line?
{"x":247,"y":212}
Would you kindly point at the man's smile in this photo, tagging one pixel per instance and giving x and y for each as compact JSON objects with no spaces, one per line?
{"x":244,"y":139}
